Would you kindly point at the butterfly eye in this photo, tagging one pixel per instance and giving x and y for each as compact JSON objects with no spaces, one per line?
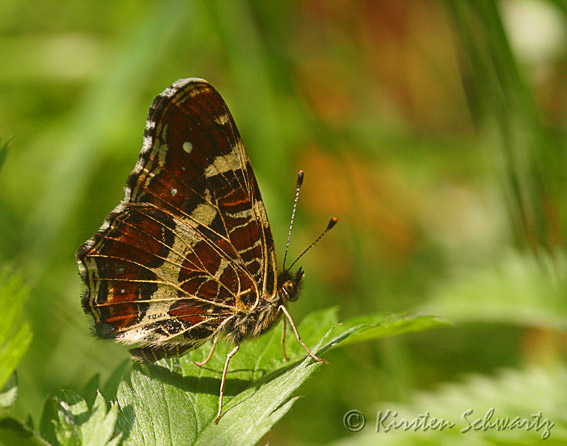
{"x":288,"y":287}
{"x":290,"y":290}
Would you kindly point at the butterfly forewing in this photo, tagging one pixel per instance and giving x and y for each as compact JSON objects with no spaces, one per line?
{"x":190,"y":246}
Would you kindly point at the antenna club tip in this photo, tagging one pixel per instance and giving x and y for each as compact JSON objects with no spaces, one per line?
{"x":300,"y":176}
{"x":332,"y":223}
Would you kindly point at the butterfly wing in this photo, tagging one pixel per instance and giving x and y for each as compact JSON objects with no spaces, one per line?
{"x":190,"y":247}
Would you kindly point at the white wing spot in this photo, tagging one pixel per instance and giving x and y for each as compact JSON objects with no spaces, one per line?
{"x":222,"y":119}
{"x":147,"y":144}
{"x":173,"y":192}
{"x":187,"y":146}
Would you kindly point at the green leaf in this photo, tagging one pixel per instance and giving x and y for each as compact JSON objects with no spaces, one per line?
{"x":9,"y":393}
{"x":521,"y":289}
{"x":15,"y":335}
{"x":111,"y":386}
{"x":99,"y":429}
{"x":13,"y":432}
{"x":175,"y":402}
{"x":71,"y":410}
{"x":46,"y":421}
{"x":67,"y":421}
{"x":378,"y":326}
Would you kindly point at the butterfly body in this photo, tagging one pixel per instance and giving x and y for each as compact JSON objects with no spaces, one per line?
{"x":254,"y":323}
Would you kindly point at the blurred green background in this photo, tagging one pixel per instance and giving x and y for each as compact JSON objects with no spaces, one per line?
{"x":435,"y":131}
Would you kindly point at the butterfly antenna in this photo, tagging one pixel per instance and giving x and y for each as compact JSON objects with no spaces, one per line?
{"x":330,"y":226}
{"x":298,"y":187}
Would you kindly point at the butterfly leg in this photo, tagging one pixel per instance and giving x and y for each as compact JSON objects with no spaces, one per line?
{"x":283,"y":341}
{"x":287,"y":315}
{"x":208,"y":358}
{"x":221,"y":393}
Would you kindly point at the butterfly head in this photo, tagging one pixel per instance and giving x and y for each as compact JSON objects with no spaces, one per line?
{"x":289,"y":284}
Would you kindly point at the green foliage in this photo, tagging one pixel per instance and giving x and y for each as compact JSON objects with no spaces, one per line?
{"x":75,"y":425}
{"x":67,"y":420}
{"x":9,"y":393}
{"x":508,"y":115}
{"x":12,"y":431}
{"x":519,"y":289}
{"x":175,"y":402}
{"x":15,"y":433}
{"x":15,"y":335}
{"x":377,"y":326}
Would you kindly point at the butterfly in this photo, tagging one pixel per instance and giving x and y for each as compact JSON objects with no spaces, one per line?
{"x":188,"y":255}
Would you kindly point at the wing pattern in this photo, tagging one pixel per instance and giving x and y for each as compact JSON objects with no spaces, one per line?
{"x":189,"y":249}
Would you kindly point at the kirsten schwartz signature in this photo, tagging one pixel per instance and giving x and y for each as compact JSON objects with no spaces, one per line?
{"x":537,"y":423}
{"x":387,"y":421}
